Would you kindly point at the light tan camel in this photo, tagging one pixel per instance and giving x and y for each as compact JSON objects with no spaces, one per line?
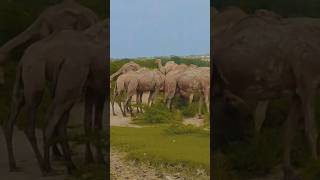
{"x":169,"y":66}
{"x":146,"y":81}
{"x":66,"y":15}
{"x":170,"y":85}
{"x":75,"y":63}
{"x":195,"y":81}
{"x":130,"y":66}
{"x":121,"y":87}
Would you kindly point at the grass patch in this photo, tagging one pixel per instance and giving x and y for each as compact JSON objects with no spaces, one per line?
{"x":155,"y":145}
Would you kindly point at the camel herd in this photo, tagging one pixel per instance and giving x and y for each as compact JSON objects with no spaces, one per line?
{"x":68,"y":56}
{"x":172,"y":79}
{"x":262,"y":56}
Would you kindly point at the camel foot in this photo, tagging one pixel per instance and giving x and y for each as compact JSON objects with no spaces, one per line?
{"x":114,"y":114}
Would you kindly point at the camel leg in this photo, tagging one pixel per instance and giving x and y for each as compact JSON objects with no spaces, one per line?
{"x":8,"y":126}
{"x":62,"y":132}
{"x":260,"y":115}
{"x":99,"y":104}
{"x":115,"y":95}
{"x":56,"y":154}
{"x":87,"y":128}
{"x":191,"y":98}
{"x":289,"y":130}
{"x":200,"y":106}
{"x":56,"y":114}
{"x":30,"y":130}
{"x":138,"y":101}
{"x":207,"y":101}
{"x":154,"y":95}
{"x":123,"y":111}
{"x":150,"y":97}
{"x":308,"y":106}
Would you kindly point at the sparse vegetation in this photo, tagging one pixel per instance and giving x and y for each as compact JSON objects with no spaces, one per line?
{"x":157,"y":146}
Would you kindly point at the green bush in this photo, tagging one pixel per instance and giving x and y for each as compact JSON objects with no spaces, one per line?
{"x":179,"y":128}
{"x":157,"y":113}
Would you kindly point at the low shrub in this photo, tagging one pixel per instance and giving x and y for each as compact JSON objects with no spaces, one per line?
{"x":179,"y":128}
{"x":157,"y":113}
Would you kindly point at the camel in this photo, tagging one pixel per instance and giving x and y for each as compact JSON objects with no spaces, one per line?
{"x":194,"y":81}
{"x":130,"y":66}
{"x":140,"y":82}
{"x":71,"y":15}
{"x":170,"y":85}
{"x":65,"y":15}
{"x":169,"y":66}
{"x":57,"y":59}
{"x":279,"y":67}
{"x":122,"y":86}
{"x":150,"y":81}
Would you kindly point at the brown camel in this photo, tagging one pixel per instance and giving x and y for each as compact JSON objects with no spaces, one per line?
{"x":65,"y":15}
{"x":57,"y":59}
{"x":281,"y":66}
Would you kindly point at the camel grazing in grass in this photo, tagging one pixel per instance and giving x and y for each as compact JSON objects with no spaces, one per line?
{"x":130,"y":66}
{"x":121,"y":87}
{"x":140,"y":82}
{"x":66,"y":15}
{"x":195,"y":81}
{"x":75,"y":63}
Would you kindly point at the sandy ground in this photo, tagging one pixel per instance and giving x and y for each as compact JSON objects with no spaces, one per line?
{"x":119,"y":120}
{"x":25,"y":160}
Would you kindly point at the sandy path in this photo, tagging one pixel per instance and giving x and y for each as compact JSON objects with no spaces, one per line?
{"x":25,"y":160}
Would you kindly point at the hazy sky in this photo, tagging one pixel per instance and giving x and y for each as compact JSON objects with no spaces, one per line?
{"x":159,"y":27}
